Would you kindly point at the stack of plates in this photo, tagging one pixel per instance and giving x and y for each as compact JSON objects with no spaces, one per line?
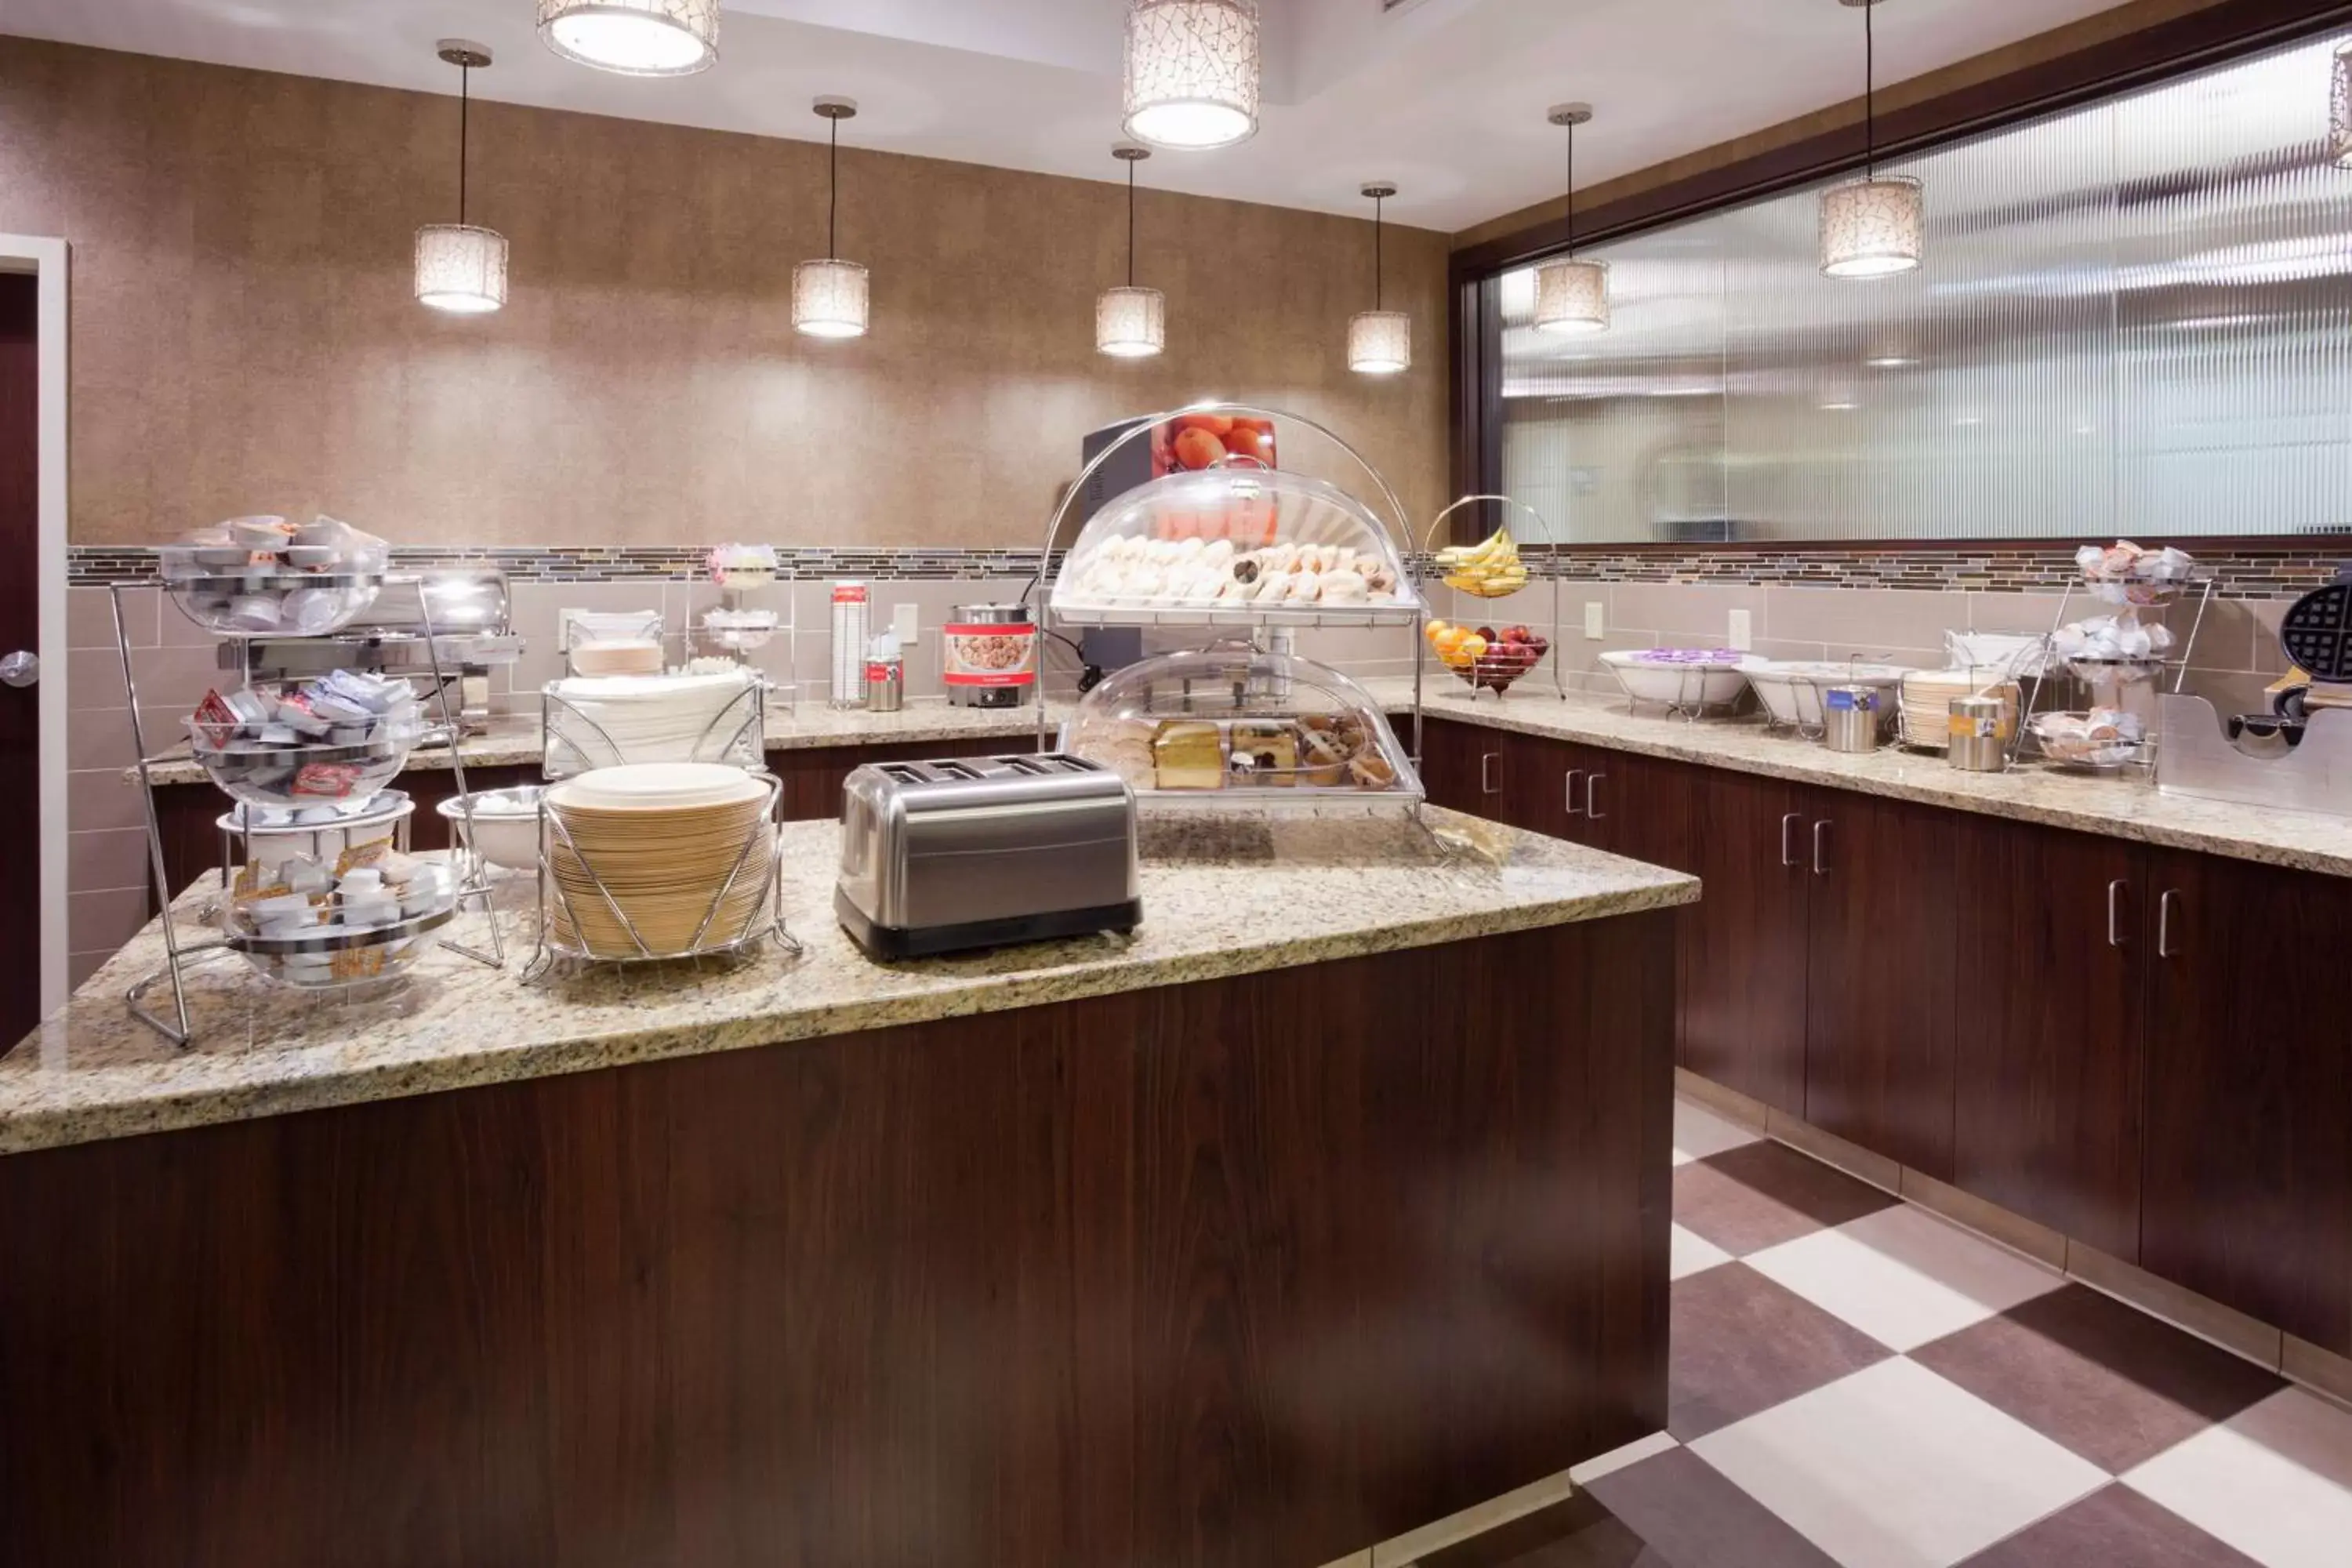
{"x":1927,"y":702}
{"x":654,"y":718}
{"x":661,"y":838}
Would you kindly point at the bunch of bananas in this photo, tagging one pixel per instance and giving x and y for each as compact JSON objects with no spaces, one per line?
{"x":1490,"y":569}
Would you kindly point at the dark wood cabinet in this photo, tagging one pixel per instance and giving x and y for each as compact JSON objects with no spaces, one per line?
{"x":2247,"y":1188}
{"x":1878,"y":977}
{"x":1744,"y":942}
{"x":1462,"y":767}
{"x":2048,"y":1009}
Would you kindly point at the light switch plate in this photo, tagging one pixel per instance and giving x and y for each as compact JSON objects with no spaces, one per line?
{"x":1596,"y":620}
{"x":907,"y":621}
{"x":1743,"y":635}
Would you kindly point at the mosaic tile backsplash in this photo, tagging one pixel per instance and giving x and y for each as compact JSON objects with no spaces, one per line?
{"x":2241,"y":573}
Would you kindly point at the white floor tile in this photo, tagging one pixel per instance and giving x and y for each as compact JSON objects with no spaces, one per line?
{"x":1699,"y":1133}
{"x":1692,"y":1253}
{"x":1896,"y":1467}
{"x":2275,"y":1481}
{"x":1902,"y":1276}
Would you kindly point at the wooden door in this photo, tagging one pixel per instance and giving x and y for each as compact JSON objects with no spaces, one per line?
{"x":1543,"y":784}
{"x":2247,"y":1183}
{"x":1638,"y":807}
{"x":2048,"y":1024}
{"x":1744,"y":943}
{"x":1878,"y":979}
{"x":20,"y":628}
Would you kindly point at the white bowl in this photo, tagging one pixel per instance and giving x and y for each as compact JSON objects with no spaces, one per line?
{"x":1790,"y":689}
{"x":505,"y":824}
{"x":1714,"y":683}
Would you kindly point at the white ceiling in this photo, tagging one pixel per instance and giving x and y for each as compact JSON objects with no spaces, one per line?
{"x":1445,"y":96}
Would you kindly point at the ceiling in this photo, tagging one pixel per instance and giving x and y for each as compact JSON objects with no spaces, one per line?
{"x":1446,"y":98}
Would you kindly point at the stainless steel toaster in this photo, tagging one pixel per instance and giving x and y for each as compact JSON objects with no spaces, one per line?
{"x":983,"y":851}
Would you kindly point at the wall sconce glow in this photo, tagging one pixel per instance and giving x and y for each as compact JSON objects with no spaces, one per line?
{"x":829,"y":298}
{"x":1192,"y":72}
{"x":1131,"y":323}
{"x":634,"y":37}
{"x":461,"y":268}
{"x":2339,"y":118}
{"x":1873,"y":228}
{"x":1380,"y":343}
{"x":1572,"y":296}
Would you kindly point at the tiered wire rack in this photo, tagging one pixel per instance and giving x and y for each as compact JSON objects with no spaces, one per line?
{"x":1469,"y":606}
{"x":242,"y":826}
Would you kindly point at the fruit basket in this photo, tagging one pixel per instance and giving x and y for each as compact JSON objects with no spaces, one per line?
{"x":1486,"y":659}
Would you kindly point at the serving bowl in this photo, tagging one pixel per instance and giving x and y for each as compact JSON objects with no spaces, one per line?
{"x":1685,"y":678}
{"x":331,"y":956}
{"x":260,"y":774}
{"x":1790,"y":689}
{"x":503,"y":824}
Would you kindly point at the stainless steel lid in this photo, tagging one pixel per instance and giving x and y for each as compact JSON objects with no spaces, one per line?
{"x":990,"y":615}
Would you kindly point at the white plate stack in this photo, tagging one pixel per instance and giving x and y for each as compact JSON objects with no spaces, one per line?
{"x":1927,"y":697}
{"x":654,"y":718}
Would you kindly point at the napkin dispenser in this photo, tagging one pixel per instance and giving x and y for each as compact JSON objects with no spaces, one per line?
{"x":973,"y":852}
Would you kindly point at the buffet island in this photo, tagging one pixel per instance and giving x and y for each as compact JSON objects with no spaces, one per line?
{"x":1330,"y":1203}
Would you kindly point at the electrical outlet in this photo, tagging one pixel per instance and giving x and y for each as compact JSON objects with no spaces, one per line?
{"x":907,"y":621}
{"x":1596,"y":620}
{"x":1743,"y":635}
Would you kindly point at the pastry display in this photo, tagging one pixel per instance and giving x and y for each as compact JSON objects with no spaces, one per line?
{"x":1234,"y":539}
{"x":1263,"y":753}
{"x":1490,"y":569}
{"x":1189,"y":754}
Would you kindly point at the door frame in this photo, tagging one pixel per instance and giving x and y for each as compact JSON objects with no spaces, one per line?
{"x":45,"y":258}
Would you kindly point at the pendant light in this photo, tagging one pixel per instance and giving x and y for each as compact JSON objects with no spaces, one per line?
{"x":459,"y":267}
{"x":829,"y":296}
{"x":1130,"y":322}
{"x":1192,"y":72}
{"x":1877,"y":225}
{"x":1380,"y":343}
{"x":634,"y":37}
{"x":2340,"y":119}
{"x":1571,"y":296}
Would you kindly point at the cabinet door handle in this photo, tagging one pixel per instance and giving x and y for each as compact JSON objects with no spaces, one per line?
{"x":2163,"y":948}
{"x":1573,"y":775}
{"x":2114,"y":916}
{"x":1486,"y":761}
{"x":1820,"y":848}
{"x":1789,"y":838}
{"x":1592,"y":796}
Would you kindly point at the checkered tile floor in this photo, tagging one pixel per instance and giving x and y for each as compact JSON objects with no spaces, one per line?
{"x":1856,"y":1382}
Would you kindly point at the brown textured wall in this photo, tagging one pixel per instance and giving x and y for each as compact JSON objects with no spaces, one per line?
{"x":243,"y":337}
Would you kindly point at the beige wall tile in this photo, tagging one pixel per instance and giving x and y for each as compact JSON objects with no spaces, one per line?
{"x":116,"y":858}
{"x":101,"y":799}
{"x":80,"y":966}
{"x":103,"y":922}
{"x":1865,"y":620}
{"x":90,"y":617}
{"x":245,"y":337}
{"x":1700,"y":610}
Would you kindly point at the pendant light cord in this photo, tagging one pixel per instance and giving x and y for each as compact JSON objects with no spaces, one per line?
{"x":1130,"y":223}
{"x":1571,"y":190}
{"x":465,"y":107}
{"x":832,"y":192}
{"x":1378,"y":204}
{"x":1870,"y":90}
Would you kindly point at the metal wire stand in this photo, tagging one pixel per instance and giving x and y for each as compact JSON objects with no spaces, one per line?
{"x":577,"y":743}
{"x":1427,"y":555}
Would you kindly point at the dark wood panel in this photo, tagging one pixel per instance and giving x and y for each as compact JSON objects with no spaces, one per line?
{"x":1879,"y":976}
{"x":1639,"y":807}
{"x":2247,"y":1193}
{"x":20,"y":628}
{"x":1462,"y":766}
{"x":1228,"y":1274}
{"x":1745,"y":943}
{"x":2047,"y":1052}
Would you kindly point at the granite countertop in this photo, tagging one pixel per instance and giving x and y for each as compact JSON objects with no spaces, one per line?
{"x":515,"y":742}
{"x":2117,"y":806}
{"x":1221,"y":896}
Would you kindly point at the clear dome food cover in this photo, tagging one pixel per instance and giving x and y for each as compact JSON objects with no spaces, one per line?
{"x":1230,"y":728}
{"x":1235,"y":545}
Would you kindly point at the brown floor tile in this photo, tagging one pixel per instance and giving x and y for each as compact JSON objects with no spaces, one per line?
{"x":1575,"y":1533}
{"x":1760,"y":1195}
{"x":1742,"y":1343}
{"x":2114,"y":1525}
{"x":2111,"y":1383}
{"x":1692,"y":1517}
